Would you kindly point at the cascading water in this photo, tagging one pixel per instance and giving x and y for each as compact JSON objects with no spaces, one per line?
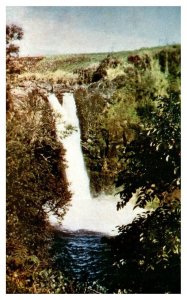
{"x":86,"y":213}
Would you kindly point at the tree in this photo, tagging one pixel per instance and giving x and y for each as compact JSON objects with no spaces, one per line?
{"x":152,"y":160}
{"x":148,"y":250}
{"x":36,"y":183}
{"x":14,"y":33}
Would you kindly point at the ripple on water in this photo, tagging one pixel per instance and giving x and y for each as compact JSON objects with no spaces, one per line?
{"x":84,"y":256}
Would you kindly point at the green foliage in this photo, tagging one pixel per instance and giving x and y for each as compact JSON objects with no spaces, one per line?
{"x":169,"y":60}
{"x":153,"y":159}
{"x":32,"y":150}
{"x":147,"y":252}
{"x":90,"y":107}
{"x":35,"y":185}
{"x":140,"y":62}
{"x":136,"y":134}
{"x":111,"y":110}
{"x":71,"y":62}
{"x":106,"y":63}
{"x":68,"y":63}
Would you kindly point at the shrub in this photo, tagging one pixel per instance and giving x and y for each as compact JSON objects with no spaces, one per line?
{"x":35,"y":184}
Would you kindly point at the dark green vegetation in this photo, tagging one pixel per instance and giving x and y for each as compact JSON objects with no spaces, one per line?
{"x":35,"y":183}
{"x":114,"y":108}
{"x":129,"y":110}
{"x":151,"y":244}
{"x":131,"y":136}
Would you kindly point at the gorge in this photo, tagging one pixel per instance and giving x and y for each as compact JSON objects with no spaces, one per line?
{"x":67,"y":144}
{"x":96,"y":214}
{"x":79,"y":248}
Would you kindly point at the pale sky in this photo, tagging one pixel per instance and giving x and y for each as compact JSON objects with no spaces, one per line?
{"x":60,"y":30}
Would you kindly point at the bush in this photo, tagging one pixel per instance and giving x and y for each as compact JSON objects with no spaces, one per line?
{"x":148,"y":250}
{"x":35,"y":183}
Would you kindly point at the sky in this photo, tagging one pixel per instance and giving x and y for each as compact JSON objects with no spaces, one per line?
{"x":50,"y":30}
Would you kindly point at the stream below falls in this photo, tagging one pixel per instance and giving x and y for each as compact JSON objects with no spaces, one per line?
{"x":86,"y":257}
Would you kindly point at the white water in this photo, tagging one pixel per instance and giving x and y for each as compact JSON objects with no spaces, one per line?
{"x":86,"y":213}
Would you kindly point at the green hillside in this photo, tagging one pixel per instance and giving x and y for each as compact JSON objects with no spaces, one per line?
{"x":70,"y":63}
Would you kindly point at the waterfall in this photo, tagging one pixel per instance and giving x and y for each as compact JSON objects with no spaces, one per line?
{"x":68,"y":132}
{"x":85,"y":213}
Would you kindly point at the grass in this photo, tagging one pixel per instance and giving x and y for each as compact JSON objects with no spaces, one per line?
{"x":49,"y":75}
{"x":58,"y":66}
{"x":69,"y":63}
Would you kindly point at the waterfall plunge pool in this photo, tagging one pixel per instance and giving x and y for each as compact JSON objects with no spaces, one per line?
{"x":79,"y":249}
{"x":86,"y":258}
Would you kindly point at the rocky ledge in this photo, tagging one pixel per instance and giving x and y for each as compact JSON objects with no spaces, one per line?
{"x":21,"y":91}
